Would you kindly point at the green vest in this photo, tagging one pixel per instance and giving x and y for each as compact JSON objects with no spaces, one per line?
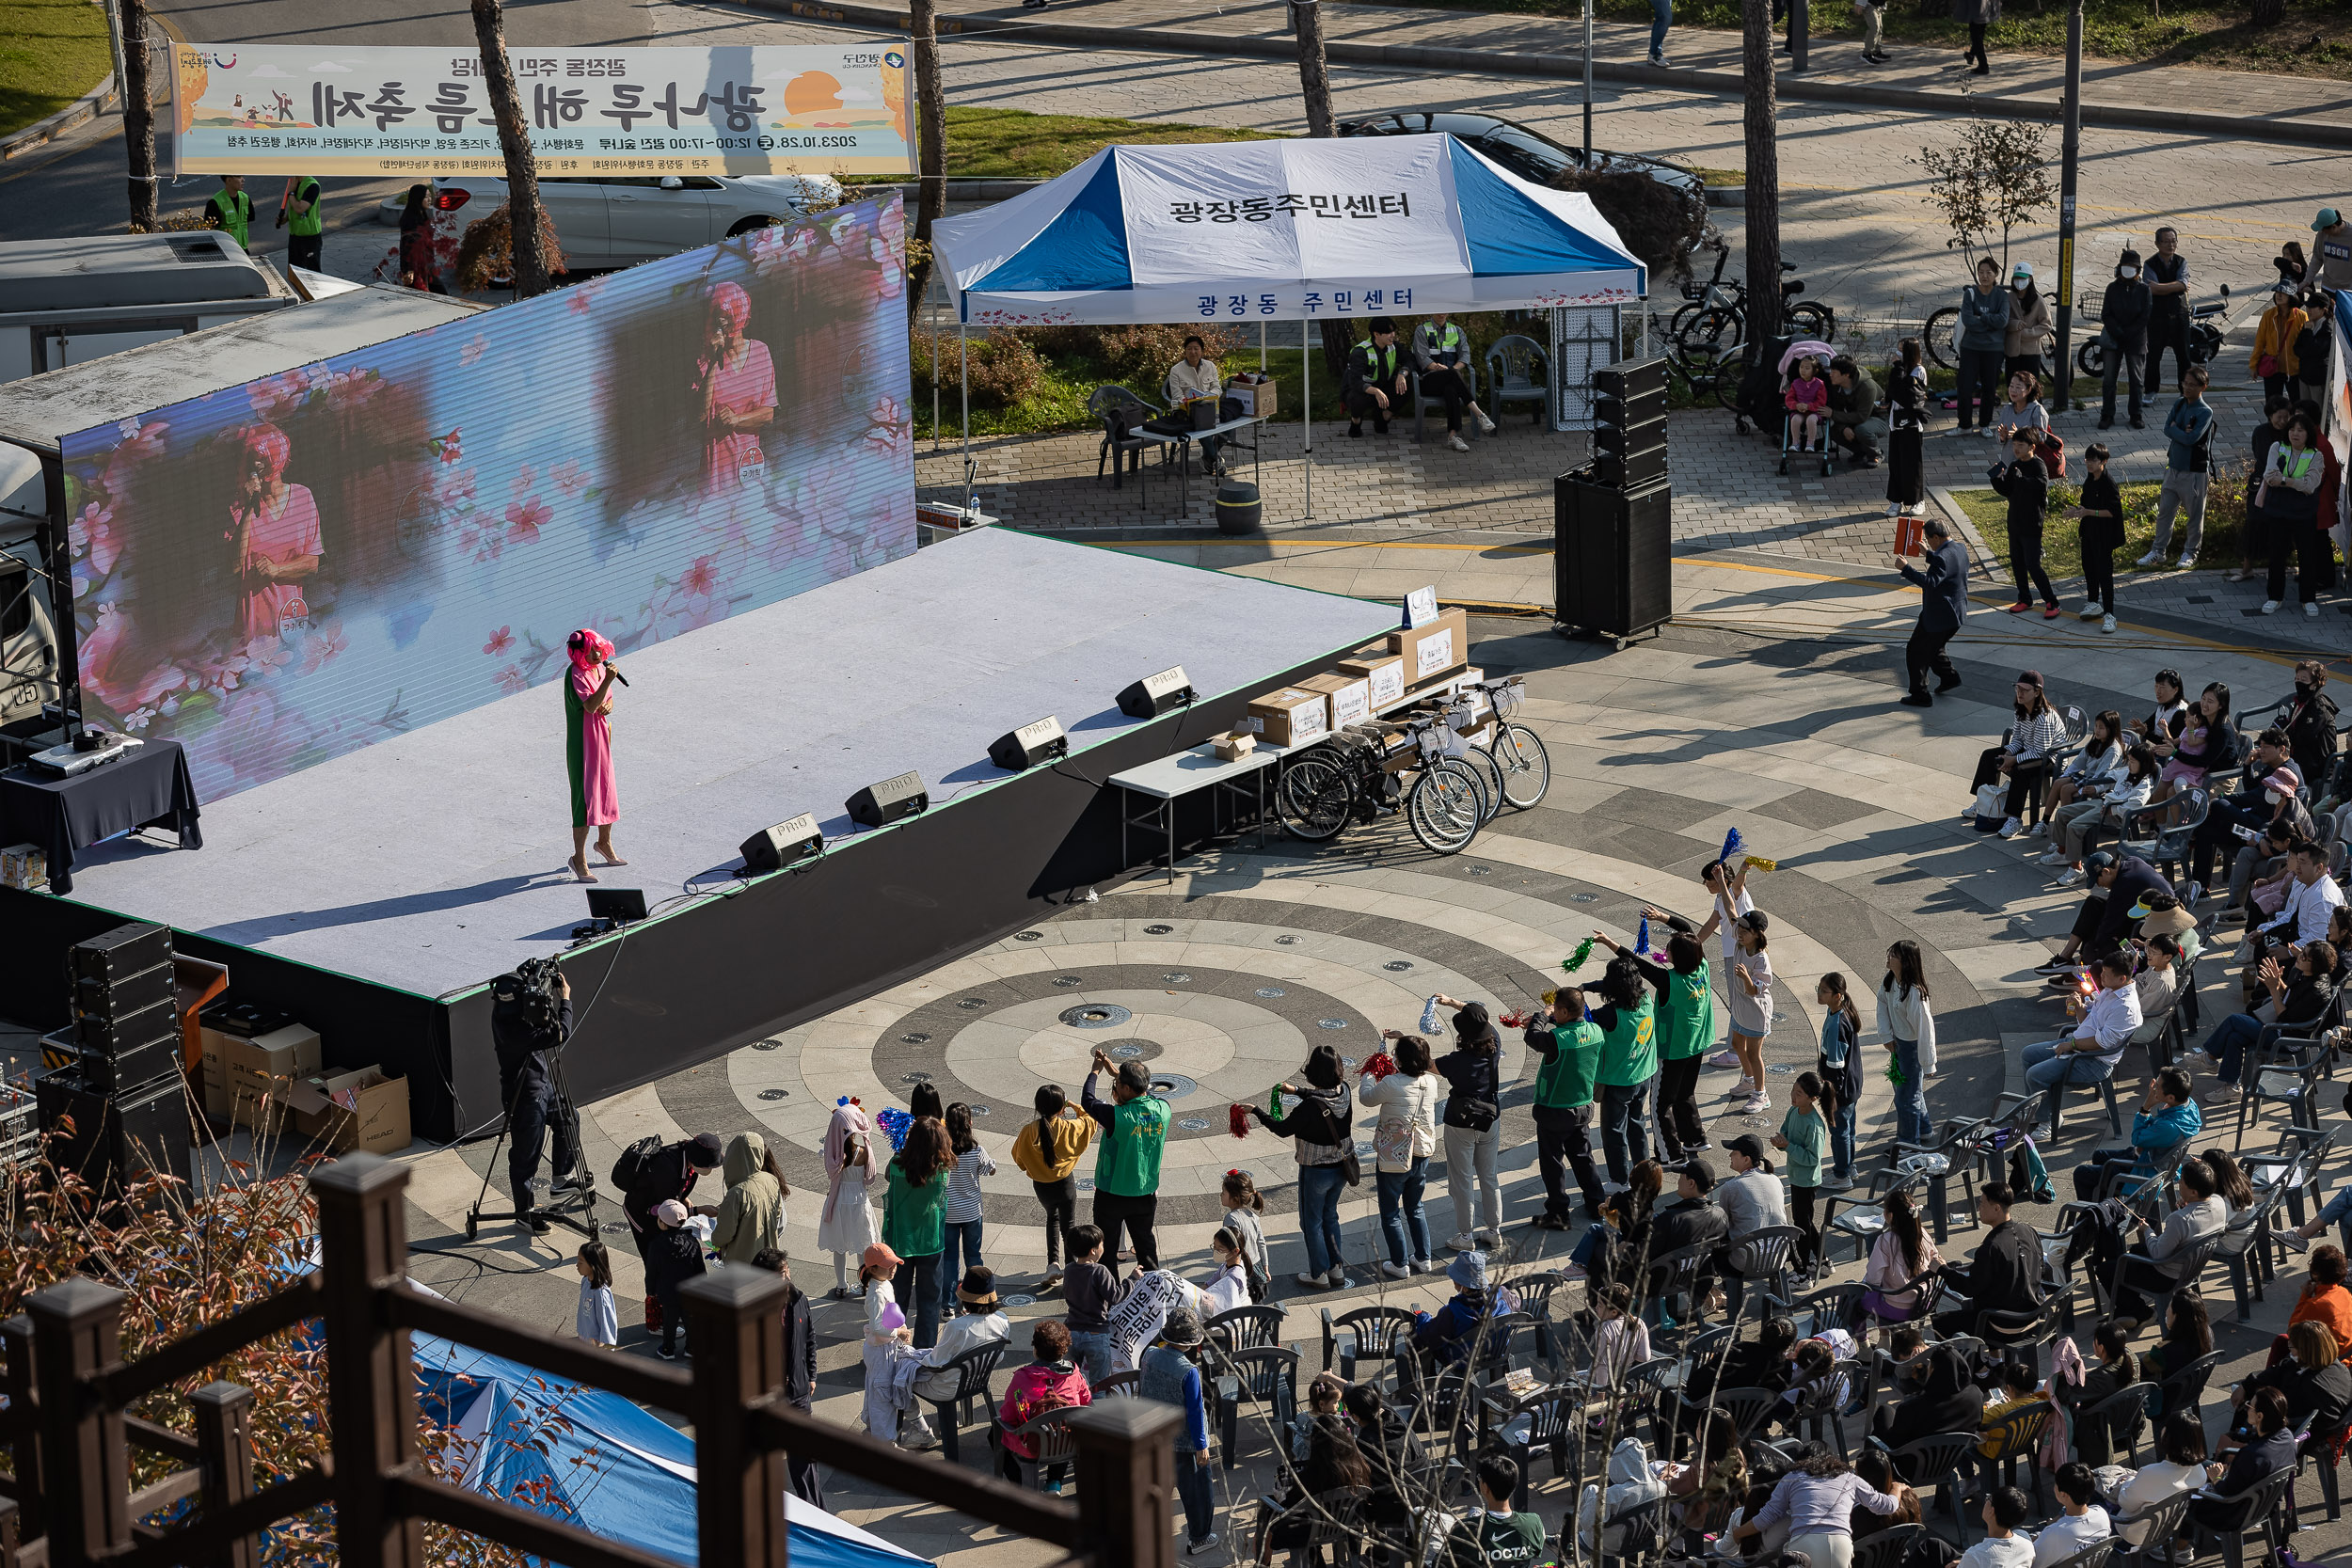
{"x":1629,"y":1052}
{"x":311,"y":222}
{"x":1565,"y":1082}
{"x":232,"y":211}
{"x":1690,"y":1013}
{"x":1449,"y":338}
{"x":1128,"y":1164}
{"x":1382,"y":373}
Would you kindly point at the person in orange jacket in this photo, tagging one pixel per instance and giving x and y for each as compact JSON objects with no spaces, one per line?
{"x":2274,"y":358}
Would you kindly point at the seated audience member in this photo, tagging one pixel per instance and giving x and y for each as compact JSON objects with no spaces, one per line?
{"x":1501,"y":1537}
{"x":1620,"y":1339}
{"x":2004,"y":1512}
{"x":982,"y":1321}
{"x":2119,"y":884}
{"x":2021,"y":1389}
{"x":1707,"y":1488}
{"x":1375,"y":379}
{"x":2269,"y":879}
{"x":1385,"y":1437}
{"x":1812,"y":1368}
{"x":1751,"y":1200}
{"x":2323,"y":1298}
{"x":2313,"y":899}
{"x":2158,"y":980}
{"x":2168,"y":1118}
{"x":1440,"y":353}
{"x":2317,"y":1383}
{"x":1334,"y":1464}
{"x":1904,"y":1256}
{"x":1194,"y":376}
{"x":1854,"y":424}
{"x":2153,"y":1263}
{"x":2081,"y":1526}
{"x":2003,"y":1276}
{"x":2023,"y":758}
{"x":2265,"y":794}
{"x":1631,"y":1485}
{"x":2230,"y":1182}
{"x":1051,"y":1382}
{"x":1875,"y":1468}
{"x":2111,"y":1372}
{"x":2272,"y":1449}
{"x":1445,"y":1336}
{"x":1323,"y":1399}
{"x":2187,"y":1339}
{"x":2107,"y":813}
{"x":2302,"y":991}
{"x":1941,"y":1397}
{"x":2090,"y":1053}
{"x":2182,"y":1468}
{"x":1759,"y":1363}
{"x":1622,"y":1237}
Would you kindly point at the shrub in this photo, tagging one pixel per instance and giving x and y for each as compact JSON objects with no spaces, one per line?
{"x":1004,"y":368}
{"x":1659,"y":223}
{"x":1137,"y":358}
{"x":486,"y":255}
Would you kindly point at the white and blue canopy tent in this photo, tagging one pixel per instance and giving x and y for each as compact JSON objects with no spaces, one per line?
{"x":1297,"y":230}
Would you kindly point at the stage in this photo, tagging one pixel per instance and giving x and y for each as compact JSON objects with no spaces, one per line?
{"x":374,"y":894}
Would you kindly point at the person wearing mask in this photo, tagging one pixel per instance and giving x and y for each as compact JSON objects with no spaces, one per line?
{"x":2167,"y":1120}
{"x":1686,"y":1014}
{"x":1440,"y":356}
{"x":2029,"y":322}
{"x":2124,"y":339}
{"x":2003,"y":1276}
{"x":1319,"y":1121}
{"x":1473,"y":1123}
{"x":304,"y":222}
{"x":1855,"y":426}
{"x":1127,"y":1165}
{"x":1375,"y":378}
{"x":2331,"y":250}
{"x":2289,"y":496}
{"x":2272,"y":1449}
{"x":2310,"y":723}
{"x":1196,"y":376}
{"x":1568,"y":1043}
{"x":2098,"y":510}
{"x":749,"y":1220}
{"x":231,"y":210}
{"x":2154,"y":1263}
{"x":1984,"y":330}
{"x":2168,"y":315}
{"x":1404,"y":1137}
{"x":2301,"y":998}
{"x":1942,"y":576}
{"x":2025,"y":482}
{"x":2273,"y":362}
{"x":1628,"y":1061}
{"x":2187,"y":464}
{"x":2317,"y":1383}
{"x":1751,"y":1199}
{"x":2090,"y":1053}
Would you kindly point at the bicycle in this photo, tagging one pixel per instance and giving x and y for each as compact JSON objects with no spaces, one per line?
{"x":1714,"y":323}
{"x":1513,"y":762}
{"x":1358,"y":774}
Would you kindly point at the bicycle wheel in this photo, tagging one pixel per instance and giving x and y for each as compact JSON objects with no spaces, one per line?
{"x":1811,"y":318}
{"x":1445,"y":806}
{"x":1524,"y":765}
{"x":1314,"y":796}
{"x":2092,"y":358}
{"x":1491,"y":774}
{"x":1710,"y":336}
{"x":1937,"y":336}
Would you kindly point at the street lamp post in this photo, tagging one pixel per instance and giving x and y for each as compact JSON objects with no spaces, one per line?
{"x":2070,"y":146}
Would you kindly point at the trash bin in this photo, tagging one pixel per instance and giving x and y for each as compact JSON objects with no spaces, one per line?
{"x":1238,"y":508}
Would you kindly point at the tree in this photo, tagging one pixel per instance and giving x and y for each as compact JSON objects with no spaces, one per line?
{"x":1761,"y":129}
{"x":1995,"y":176}
{"x":1660,"y":223}
{"x":522,"y":170}
{"x":1314,"y":77}
{"x":930,"y":120}
{"x":138,"y":117}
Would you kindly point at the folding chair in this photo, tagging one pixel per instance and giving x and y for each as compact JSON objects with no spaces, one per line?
{"x":1120,"y":1385}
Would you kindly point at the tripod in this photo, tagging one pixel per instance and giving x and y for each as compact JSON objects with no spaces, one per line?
{"x":559,"y":1206}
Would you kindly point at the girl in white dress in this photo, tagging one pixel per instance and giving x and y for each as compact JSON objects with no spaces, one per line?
{"x":848,"y":1227}
{"x":889,"y":1354}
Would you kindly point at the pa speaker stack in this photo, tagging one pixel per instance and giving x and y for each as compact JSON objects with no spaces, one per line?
{"x":1612,"y":520}
{"x":115,"y":1071}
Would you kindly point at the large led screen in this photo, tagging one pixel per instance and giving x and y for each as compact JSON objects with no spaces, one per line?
{"x":286,"y":571}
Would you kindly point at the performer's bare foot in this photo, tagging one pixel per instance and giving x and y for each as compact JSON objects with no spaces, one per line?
{"x":579,"y":868}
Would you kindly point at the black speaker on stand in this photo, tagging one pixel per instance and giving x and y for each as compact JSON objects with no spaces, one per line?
{"x":1612,"y":520}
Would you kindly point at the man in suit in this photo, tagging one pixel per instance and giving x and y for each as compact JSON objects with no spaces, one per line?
{"x":1943,"y":579}
{"x":2004,"y":1276}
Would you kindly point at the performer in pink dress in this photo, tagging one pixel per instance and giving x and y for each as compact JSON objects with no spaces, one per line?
{"x":737,"y":382}
{"x":588,"y":748}
{"x":276,"y":529}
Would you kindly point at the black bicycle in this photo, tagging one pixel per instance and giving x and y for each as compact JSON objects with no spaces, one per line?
{"x":1712,"y":324}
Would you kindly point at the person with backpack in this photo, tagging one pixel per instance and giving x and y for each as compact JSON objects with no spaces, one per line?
{"x":2187,"y":465}
{"x":1051,"y":1382}
{"x":650,"y":1172}
{"x":1404,"y":1137}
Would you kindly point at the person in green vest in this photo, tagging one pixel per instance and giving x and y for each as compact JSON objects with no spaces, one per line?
{"x":1628,"y":1063}
{"x":1375,"y":378}
{"x":230,"y":209}
{"x":1127,"y":1166}
{"x":1442,"y":355}
{"x":305,"y":224}
{"x":1686,"y":1014}
{"x":1501,"y":1538}
{"x":1568,"y":1044}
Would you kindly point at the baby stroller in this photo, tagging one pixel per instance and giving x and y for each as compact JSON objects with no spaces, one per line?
{"x":1818,"y":351}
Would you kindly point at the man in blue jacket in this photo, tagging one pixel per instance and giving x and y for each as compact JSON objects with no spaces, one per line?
{"x":1943,"y":577}
{"x":2187,"y":464}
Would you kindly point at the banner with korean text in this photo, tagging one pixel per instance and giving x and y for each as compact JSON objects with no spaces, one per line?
{"x":791,"y":109}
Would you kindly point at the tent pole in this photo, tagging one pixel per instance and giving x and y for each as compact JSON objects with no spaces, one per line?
{"x":1307,"y":413}
{"x":935,"y":381}
{"x":963,"y":375}
{"x":1261,"y":348}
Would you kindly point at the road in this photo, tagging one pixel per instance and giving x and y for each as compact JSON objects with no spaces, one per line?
{"x":1853,"y":213}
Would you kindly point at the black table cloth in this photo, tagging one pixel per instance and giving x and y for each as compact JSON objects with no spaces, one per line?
{"x":145,"y":788}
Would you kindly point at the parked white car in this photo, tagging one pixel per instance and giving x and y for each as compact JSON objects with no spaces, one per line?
{"x":617,"y":221}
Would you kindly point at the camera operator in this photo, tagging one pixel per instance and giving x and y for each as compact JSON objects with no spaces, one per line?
{"x":531,"y":1016}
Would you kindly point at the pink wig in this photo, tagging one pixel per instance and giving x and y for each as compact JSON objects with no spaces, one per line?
{"x":585,"y":643}
{"x":729,"y":300}
{"x":268,"y":443}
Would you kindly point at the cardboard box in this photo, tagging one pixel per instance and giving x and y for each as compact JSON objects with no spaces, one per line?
{"x":24,"y":866}
{"x":1351,"y":697}
{"x":1257,"y":396}
{"x":1291,"y":717}
{"x":255,"y":1072}
{"x":360,"y":1110}
{"x":1386,"y":674}
{"x":1437,"y":649}
{"x":213,"y":1073}
{"x":1233,"y":747}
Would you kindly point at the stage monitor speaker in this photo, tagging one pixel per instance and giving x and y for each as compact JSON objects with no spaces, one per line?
{"x":114,"y":1067}
{"x":118,"y":998}
{"x":117,"y":955}
{"x":1613,"y":556}
{"x":115,"y":1137}
{"x":879,"y":805}
{"x":1629,"y":425}
{"x":107,"y":1036}
{"x":773,"y":849}
{"x":1042,"y":742}
{"x":1155,"y":695}
{"x":616,"y":906}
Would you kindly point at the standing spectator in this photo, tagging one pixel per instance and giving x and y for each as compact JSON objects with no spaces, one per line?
{"x":2294,"y":269}
{"x":2273,"y":362}
{"x":1568,"y":1045}
{"x":749,"y":1220}
{"x":1127,"y":1169}
{"x":1319,"y":1121}
{"x":2029,"y":323}
{"x":1375,"y":378}
{"x":1661,"y":16}
{"x":2167,"y":317}
{"x":1804,"y":1135}
{"x":1840,"y":1069}
{"x":1440,"y":353}
{"x":1473,"y":1123}
{"x":2026,"y":485}
{"x":1194,"y":376}
{"x":847,"y":1226}
{"x":1853,"y":403}
{"x":1943,"y":579}
{"x":2187,"y":460}
{"x":2331,"y":247}
{"x":669,"y":1172}
{"x":673,"y":1255}
{"x":2099,"y":508}
{"x":1866,"y":12}
{"x":2022,"y":755}
{"x":1628,"y":1061}
{"x":1091,"y":1291}
{"x":2023,"y":410}
{"x":2310,"y":725}
{"x":914,"y":1219}
{"x":1686,"y":1014}
{"x":1047,"y":1151}
{"x":1404,"y":1137}
{"x":1984,"y":331}
{"x":1907,"y":1025}
{"x":2289,"y":497}
{"x":1978,"y":15}
{"x":597,"y":1320}
{"x":1906,"y":421}
{"x":2276,"y":412}
{"x":1170,"y":1377}
{"x":1751,"y":989}
{"x":800,"y":1366}
{"x":961,"y":1229}
{"x":2123,"y":338}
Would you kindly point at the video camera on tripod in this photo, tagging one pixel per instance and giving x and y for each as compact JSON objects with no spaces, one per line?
{"x":525,"y":1004}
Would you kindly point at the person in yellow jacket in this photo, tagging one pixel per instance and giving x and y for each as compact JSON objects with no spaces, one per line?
{"x":2274,"y":358}
{"x":1047,"y":1152}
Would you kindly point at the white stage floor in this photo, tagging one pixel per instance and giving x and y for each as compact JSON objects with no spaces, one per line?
{"x":433,"y":862}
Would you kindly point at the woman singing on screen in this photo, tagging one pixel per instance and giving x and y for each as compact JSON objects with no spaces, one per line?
{"x":276,"y":529}
{"x":588,"y":747}
{"x":737,"y":382}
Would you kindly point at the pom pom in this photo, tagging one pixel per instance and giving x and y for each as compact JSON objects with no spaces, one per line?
{"x":1516,"y":1019}
{"x":1641,"y":938}
{"x":894,"y":1123}
{"x":1894,"y":1070}
{"x":1733,"y":844}
{"x":1274,"y":1102}
{"x":1237,"y":1117}
{"x":1382,"y":1064}
{"x":1575,"y":959}
{"x":1757,"y":863}
{"x":1429,"y":1017}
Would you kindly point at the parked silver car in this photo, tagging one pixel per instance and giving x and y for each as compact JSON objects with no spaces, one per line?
{"x":617,"y":221}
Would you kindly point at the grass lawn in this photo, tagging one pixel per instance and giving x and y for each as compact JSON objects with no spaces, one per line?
{"x":51,"y":53}
{"x":2316,"y":40}
{"x":2061,"y":536}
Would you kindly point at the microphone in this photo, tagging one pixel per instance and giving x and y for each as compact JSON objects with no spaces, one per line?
{"x":618,"y":675}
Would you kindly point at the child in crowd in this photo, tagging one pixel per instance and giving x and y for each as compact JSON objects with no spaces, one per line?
{"x":1047,"y":1152}
{"x":1807,"y":400}
{"x":2024,"y":410}
{"x":2026,"y":485}
{"x":846,"y":1226}
{"x":1840,"y":1070}
{"x":597,"y":1320}
{"x":2100,"y":510}
{"x":1323,"y":1400}
{"x":2077,"y":834}
{"x":1242,"y":1205}
{"x":1621,"y":1341}
{"x":1804,"y":1134}
{"x":889,"y":1354}
{"x":1170,"y":1377}
{"x":1751,"y":991}
{"x":1229,"y":1287}
{"x":1090,"y":1291}
{"x":673,"y":1255}
{"x":2020,"y":1388}
{"x":962,"y":1216}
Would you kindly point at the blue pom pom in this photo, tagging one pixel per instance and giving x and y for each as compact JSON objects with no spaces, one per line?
{"x":894,"y":1123}
{"x":1641,"y":940}
{"x":1733,"y":844}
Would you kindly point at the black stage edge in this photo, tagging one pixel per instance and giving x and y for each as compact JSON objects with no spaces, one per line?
{"x":752,"y":960}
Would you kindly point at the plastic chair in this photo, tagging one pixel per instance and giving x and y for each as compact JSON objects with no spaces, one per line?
{"x":1762,"y":1259}
{"x":2121,"y":1417}
{"x":1246,"y":1327}
{"x":1123,"y":454}
{"x":1864,"y":1222}
{"x":1644,"y":1394}
{"x":1672,"y":1275}
{"x":1373,"y":1333}
{"x":2017,"y":1436}
{"x":2185,"y":1388}
{"x":1424,"y":403}
{"x":1332,"y":1520}
{"x":2094,"y":1556}
{"x":2095,"y":1086}
{"x":1547,"y":1411}
{"x":1050,"y":1440}
{"x":1518,"y":370}
{"x":1748,"y":1406}
{"x":2163,"y":1519}
{"x":1265,"y":1375}
{"x":1888,"y":1547}
{"x":2293,"y":1082}
{"x":2241,"y":1250}
{"x":1120,"y":1385}
{"x":2256,"y":1508}
{"x":1941,"y":1459}
{"x":1644,"y":1533}
{"x":2325,"y":1450}
{"x":973,"y":1368}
